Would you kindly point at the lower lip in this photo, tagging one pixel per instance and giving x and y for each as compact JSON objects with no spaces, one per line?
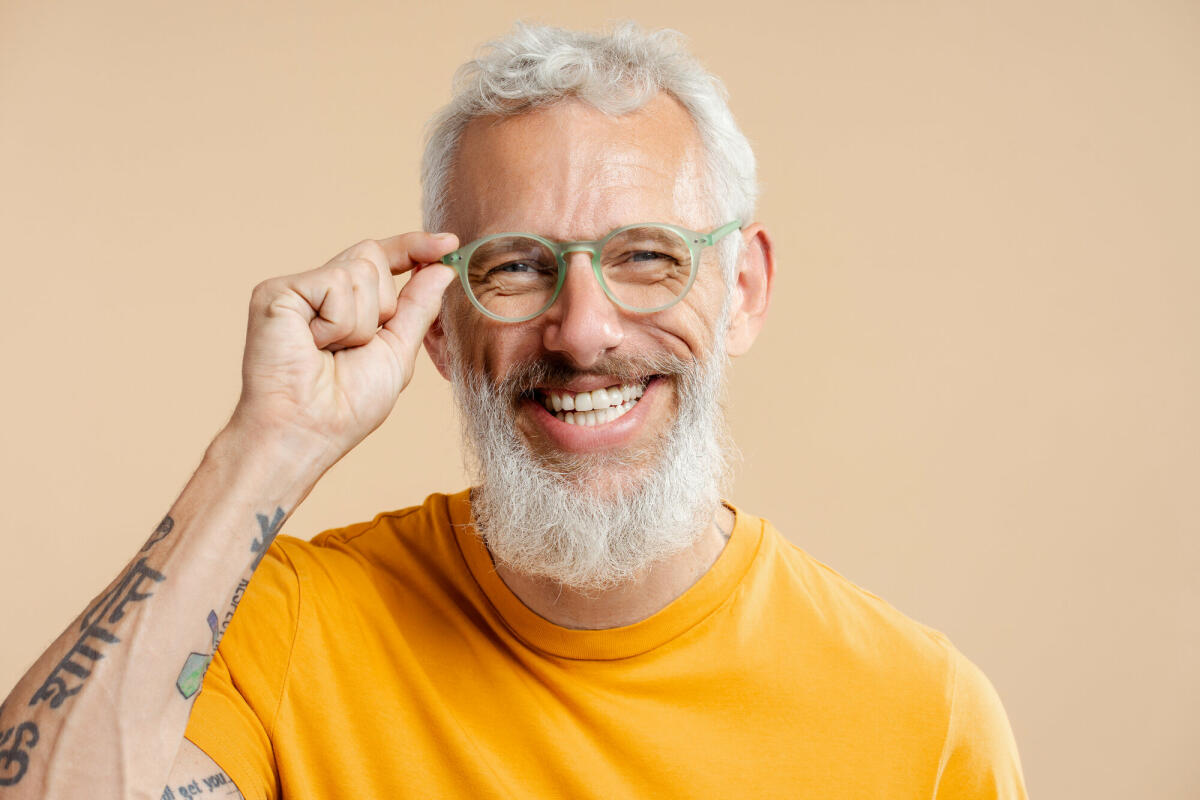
{"x":588,"y":438}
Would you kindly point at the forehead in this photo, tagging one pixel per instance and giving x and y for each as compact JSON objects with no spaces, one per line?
{"x":569,"y":171}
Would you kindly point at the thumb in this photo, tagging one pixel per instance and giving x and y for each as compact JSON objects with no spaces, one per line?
{"x":416,"y":308}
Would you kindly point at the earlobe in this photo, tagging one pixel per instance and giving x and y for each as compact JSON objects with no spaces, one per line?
{"x":753,"y":283}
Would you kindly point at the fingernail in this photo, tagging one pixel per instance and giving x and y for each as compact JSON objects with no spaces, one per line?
{"x":443,"y":235}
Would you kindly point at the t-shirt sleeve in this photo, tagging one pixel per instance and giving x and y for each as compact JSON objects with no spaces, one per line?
{"x":979,"y":757}
{"x":234,"y":715}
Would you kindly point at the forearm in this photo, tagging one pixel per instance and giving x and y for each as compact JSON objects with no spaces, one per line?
{"x":105,"y":707}
{"x":328,"y":351}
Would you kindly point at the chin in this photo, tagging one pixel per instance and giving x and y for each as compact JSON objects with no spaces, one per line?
{"x":602,"y":476}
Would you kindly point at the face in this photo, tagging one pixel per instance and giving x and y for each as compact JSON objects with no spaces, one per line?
{"x":590,"y":500}
{"x":570,"y":172}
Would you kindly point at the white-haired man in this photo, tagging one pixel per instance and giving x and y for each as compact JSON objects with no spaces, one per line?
{"x":591,"y":619}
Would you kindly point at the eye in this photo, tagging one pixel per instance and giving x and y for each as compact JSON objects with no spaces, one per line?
{"x":649,"y":255}
{"x":521,"y":269}
{"x":516,"y":266}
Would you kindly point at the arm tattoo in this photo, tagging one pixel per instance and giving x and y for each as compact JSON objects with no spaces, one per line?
{"x":270,"y":529}
{"x":73,"y":669}
{"x":108,"y":609}
{"x":196,"y":664}
{"x":233,"y":604}
{"x":15,"y":744}
{"x":96,"y":626}
{"x":217,"y":783}
{"x":160,"y":533}
{"x":191,"y":676}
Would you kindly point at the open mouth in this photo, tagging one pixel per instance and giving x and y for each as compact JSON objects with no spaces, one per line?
{"x":595,"y":407}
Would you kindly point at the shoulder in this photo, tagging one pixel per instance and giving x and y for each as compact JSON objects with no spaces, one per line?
{"x":910,"y":668}
{"x":857,"y":618}
{"x":391,"y":542}
{"x":347,"y":569}
{"x":861,"y":643}
{"x":979,"y":755}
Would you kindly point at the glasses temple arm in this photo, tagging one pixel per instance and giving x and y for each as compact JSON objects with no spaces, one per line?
{"x":723,"y":231}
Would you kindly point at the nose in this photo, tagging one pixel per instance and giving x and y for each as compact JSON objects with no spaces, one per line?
{"x":583,"y":324}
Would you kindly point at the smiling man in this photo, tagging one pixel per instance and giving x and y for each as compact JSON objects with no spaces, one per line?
{"x":596,"y":423}
{"x":591,"y":619}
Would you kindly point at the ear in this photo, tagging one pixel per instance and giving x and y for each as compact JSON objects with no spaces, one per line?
{"x":752,"y":284}
{"x":435,"y":345}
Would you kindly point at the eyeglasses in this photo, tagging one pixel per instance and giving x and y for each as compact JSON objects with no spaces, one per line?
{"x":647,"y":267}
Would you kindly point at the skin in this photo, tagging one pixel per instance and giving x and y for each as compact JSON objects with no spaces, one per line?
{"x":570,"y":172}
{"x":328,"y":352}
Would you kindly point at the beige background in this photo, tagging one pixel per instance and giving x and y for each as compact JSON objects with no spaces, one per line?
{"x":976,"y":395}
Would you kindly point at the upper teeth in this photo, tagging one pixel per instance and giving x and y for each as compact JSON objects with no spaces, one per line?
{"x":594,"y":407}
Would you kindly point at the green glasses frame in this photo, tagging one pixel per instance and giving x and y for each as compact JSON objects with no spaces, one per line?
{"x":696,"y":241}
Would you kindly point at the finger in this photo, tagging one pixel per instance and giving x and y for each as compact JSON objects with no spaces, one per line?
{"x":364,"y":284}
{"x":370,"y":251}
{"x":386,"y":289}
{"x":417,"y":306}
{"x":331,"y":297}
{"x":410,"y":250}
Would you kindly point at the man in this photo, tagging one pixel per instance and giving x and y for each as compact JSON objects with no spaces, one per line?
{"x":591,"y":620}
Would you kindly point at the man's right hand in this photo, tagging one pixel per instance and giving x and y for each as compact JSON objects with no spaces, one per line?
{"x":329,"y":351}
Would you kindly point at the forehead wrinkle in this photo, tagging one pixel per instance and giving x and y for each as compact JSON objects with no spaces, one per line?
{"x":570,"y":172}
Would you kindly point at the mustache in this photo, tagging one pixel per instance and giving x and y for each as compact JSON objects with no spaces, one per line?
{"x":554,"y":370}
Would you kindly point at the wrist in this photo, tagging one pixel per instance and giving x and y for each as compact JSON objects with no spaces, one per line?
{"x":274,"y":462}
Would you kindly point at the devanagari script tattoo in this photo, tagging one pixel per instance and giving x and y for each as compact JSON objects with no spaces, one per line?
{"x":15,"y":744}
{"x":73,"y":669}
{"x":160,"y":533}
{"x":69,"y":675}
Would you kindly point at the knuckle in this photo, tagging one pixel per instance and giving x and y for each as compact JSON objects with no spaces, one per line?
{"x":339,"y":279}
{"x":340,"y":326}
{"x":261,"y":294}
{"x":369,"y":250}
{"x":364,"y":271}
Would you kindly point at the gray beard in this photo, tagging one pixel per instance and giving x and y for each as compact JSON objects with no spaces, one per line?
{"x":594,"y":521}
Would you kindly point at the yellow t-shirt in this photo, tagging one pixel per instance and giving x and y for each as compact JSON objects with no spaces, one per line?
{"x":389,"y":660}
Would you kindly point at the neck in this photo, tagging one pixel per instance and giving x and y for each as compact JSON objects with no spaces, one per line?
{"x":633,"y":601}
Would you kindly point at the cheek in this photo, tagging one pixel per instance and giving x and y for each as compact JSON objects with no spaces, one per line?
{"x":484,"y":343}
{"x":698,"y":315}
{"x":498,"y":346}
{"x":711,"y":289}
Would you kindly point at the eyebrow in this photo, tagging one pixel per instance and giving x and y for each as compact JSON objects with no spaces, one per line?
{"x":560,"y":239}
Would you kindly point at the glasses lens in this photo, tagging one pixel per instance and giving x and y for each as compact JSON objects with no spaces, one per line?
{"x":647,"y":267}
{"x":513,"y":276}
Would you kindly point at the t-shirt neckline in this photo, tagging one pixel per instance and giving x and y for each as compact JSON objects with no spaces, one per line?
{"x":689,"y":609}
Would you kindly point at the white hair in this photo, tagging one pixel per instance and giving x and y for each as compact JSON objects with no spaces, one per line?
{"x":594,"y":521}
{"x":617,"y":72}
